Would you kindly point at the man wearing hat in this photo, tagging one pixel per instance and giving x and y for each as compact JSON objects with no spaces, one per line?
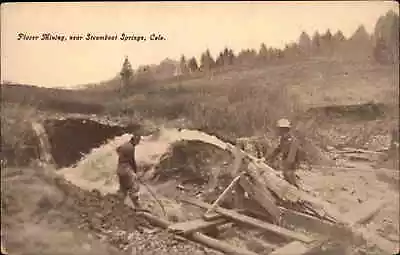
{"x":289,"y":148}
{"x":127,"y":170}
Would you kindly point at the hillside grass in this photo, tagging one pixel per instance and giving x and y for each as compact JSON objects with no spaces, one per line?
{"x":230,"y":104}
{"x":248,"y":102}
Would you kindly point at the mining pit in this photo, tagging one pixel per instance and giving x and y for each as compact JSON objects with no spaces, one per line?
{"x":179,"y":164}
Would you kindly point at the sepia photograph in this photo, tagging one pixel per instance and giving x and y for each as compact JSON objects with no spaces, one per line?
{"x":200,"y":128}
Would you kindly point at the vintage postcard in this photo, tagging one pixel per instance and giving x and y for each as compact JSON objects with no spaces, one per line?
{"x":200,"y":128}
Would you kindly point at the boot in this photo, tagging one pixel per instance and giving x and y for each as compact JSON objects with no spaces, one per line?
{"x":121,"y":195}
{"x":135,"y":200}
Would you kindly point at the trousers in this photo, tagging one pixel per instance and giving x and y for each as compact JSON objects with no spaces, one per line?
{"x":128,"y":182}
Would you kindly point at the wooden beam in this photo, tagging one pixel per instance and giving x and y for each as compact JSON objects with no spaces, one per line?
{"x":359,"y":216}
{"x":200,"y":238}
{"x":293,"y":248}
{"x":252,"y":221}
{"x":262,"y":196}
{"x":311,"y":223}
{"x":196,"y":225}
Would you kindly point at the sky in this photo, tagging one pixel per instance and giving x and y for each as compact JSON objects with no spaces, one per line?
{"x":189,"y":28}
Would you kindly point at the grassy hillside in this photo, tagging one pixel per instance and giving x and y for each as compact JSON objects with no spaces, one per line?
{"x":316,"y":94}
{"x":246,"y":102}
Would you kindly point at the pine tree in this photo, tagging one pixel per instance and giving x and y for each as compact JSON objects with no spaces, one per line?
{"x":206,"y":61}
{"x":387,"y":32}
{"x":126,"y":72}
{"x":305,"y":43}
{"x":316,"y":43}
{"x":263,"y":53}
{"x":220,"y":60}
{"x":192,"y":64}
{"x":339,"y":37}
{"x":231,"y":57}
{"x":327,"y":43}
{"x":183,"y":65}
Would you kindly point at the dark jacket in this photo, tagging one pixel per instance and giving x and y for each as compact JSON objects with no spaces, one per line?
{"x":126,"y":155}
{"x":289,"y":148}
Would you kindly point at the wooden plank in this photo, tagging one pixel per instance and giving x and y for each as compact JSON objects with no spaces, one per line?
{"x":293,"y":248}
{"x":196,"y":225}
{"x":200,"y":238}
{"x":358,"y":219}
{"x":252,"y":221}
{"x":263,"y":197}
{"x":305,"y":221}
{"x":215,"y":215}
{"x":212,"y":216}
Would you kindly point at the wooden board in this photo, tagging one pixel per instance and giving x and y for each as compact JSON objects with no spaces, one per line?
{"x":252,"y":221}
{"x":358,"y":216}
{"x":192,"y":226}
{"x":293,"y":248}
{"x":262,"y":196}
{"x":215,"y":244}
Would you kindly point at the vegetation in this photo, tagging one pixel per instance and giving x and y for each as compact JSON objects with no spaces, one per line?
{"x":248,"y":91}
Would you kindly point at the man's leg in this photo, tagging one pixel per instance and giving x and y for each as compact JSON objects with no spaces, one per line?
{"x":133,"y":191}
{"x":122,"y":191}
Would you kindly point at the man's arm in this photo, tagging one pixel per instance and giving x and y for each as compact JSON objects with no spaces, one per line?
{"x":275,"y":152}
{"x":293,"y":150}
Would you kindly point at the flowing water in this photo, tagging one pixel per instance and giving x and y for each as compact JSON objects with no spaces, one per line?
{"x":97,"y":169}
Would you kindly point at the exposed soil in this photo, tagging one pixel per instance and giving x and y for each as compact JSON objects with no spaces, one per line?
{"x":79,"y":203}
{"x":43,"y":213}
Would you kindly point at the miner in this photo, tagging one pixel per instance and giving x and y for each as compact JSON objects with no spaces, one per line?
{"x":127,"y":171}
{"x":289,"y":149}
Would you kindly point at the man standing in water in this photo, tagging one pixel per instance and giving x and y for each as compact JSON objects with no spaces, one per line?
{"x":127,"y":171}
{"x":289,"y":148}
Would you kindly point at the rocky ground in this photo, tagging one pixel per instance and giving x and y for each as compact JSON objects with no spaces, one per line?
{"x":44,"y":213}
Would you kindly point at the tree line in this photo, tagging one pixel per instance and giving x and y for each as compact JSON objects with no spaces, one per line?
{"x":381,"y":46}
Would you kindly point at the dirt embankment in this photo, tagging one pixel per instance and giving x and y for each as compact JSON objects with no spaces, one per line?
{"x":69,"y":139}
{"x":44,"y":214}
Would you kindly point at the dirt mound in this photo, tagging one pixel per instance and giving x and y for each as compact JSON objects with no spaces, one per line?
{"x":191,"y":162}
{"x":369,"y":111}
{"x":37,"y":216}
{"x":43,"y":213}
{"x":40,"y":195}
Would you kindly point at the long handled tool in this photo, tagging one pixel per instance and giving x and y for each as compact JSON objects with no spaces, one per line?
{"x":153,"y":195}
